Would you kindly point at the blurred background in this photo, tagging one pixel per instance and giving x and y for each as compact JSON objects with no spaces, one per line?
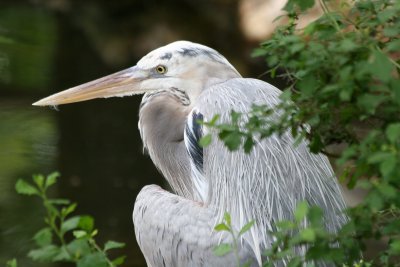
{"x":50,"y":45}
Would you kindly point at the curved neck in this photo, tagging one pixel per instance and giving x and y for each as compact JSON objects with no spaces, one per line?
{"x":161,"y":123}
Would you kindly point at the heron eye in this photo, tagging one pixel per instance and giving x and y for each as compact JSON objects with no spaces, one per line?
{"x":161,"y":69}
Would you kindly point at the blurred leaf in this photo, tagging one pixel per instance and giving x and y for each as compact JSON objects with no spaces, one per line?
{"x":79,"y":234}
{"x":59,"y":201}
{"x":12,"y":263}
{"x":39,"y":180}
{"x":395,"y":246}
{"x":51,"y":179}
{"x":93,"y":260}
{"x":301,"y":211}
{"x":205,"y":140}
{"x":285,"y":225}
{"x":222,"y":227}
{"x":308,"y":85}
{"x":370,"y":102}
{"x":68,"y":210}
{"x":113,"y":245}
{"x":86,"y":223}
{"x":227,"y":218}
{"x":43,"y":254}
{"x":43,"y":237}
{"x":119,"y":261}
{"x":222,"y":249}
{"x":70,"y":224}
{"x":302,"y":4}
{"x":381,"y":67}
{"x":79,"y":247}
{"x":25,"y":188}
{"x":378,"y":157}
{"x":393,"y":132}
{"x":308,"y":235}
{"x":387,"y":166}
{"x":232,"y":140}
{"x":246,"y":227}
{"x":248,"y":144}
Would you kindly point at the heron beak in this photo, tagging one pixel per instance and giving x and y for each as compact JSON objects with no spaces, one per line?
{"x":123,"y":83}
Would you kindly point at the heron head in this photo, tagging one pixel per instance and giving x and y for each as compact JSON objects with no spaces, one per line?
{"x":188,"y":66}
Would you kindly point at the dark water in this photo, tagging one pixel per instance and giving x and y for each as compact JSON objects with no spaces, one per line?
{"x":47,"y":46}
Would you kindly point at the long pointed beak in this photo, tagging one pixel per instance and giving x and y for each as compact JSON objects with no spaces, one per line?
{"x":123,"y":83}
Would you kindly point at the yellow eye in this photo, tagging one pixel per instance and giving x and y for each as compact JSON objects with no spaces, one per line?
{"x":161,"y":69}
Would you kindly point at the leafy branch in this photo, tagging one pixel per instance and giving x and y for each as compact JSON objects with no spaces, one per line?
{"x":343,"y":89}
{"x":225,"y":248}
{"x":65,"y":238}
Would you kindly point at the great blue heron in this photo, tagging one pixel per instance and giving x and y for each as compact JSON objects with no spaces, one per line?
{"x":184,"y":82}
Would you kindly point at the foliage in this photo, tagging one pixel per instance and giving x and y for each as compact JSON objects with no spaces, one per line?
{"x":66,"y":237}
{"x":12,"y":263}
{"x":225,"y":248}
{"x":343,"y":76}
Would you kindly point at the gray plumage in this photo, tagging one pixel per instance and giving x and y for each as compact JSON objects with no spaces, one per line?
{"x":184,"y":82}
{"x":265,"y":185}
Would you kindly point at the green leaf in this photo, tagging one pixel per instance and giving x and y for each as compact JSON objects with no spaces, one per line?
{"x":393,"y":132}
{"x":391,"y":31}
{"x":285,"y":225}
{"x":296,"y":47}
{"x":86,"y":223}
{"x":119,"y":261}
{"x":369,"y":102}
{"x":394,"y":45}
{"x":308,"y":85}
{"x":214,"y":120}
{"x":68,"y":210}
{"x":380,"y":66}
{"x":294,"y":262}
{"x":378,"y":157}
{"x":79,"y":247}
{"x":395,"y":246}
{"x":43,"y":237}
{"x":25,"y":188}
{"x":79,"y":234}
{"x":39,"y":180}
{"x":308,"y":235}
{"x":246,"y":227}
{"x":387,"y":190}
{"x":387,"y":166}
{"x":348,"y":45}
{"x":386,"y":14}
{"x":59,"y":201}
{"x":96,"y":259}
{"x":113,"y":245}
{"x":301,"y":211}
{"x":70,"y":224}
{"x":11,"y":263}
{"x":205,"y":140}
{"x":46,"y":253}
{"x":63,"y":255}
{"x":232,"y":140}
{"x":222,"y":227}
{"x":315,"y":215}
{"x":222,"y":249}
{"x":302,"y":4}
{"x":227,"y":218}
{"x":248,"y":144}
{"x":258,"y":52}
{"x":51,"y":179}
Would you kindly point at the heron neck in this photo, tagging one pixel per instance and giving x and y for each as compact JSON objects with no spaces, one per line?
{"x":161,"y":124}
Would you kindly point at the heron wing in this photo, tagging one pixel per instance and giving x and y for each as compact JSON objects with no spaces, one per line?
{"x":175,"y":231}
{"x":266,"y":184}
